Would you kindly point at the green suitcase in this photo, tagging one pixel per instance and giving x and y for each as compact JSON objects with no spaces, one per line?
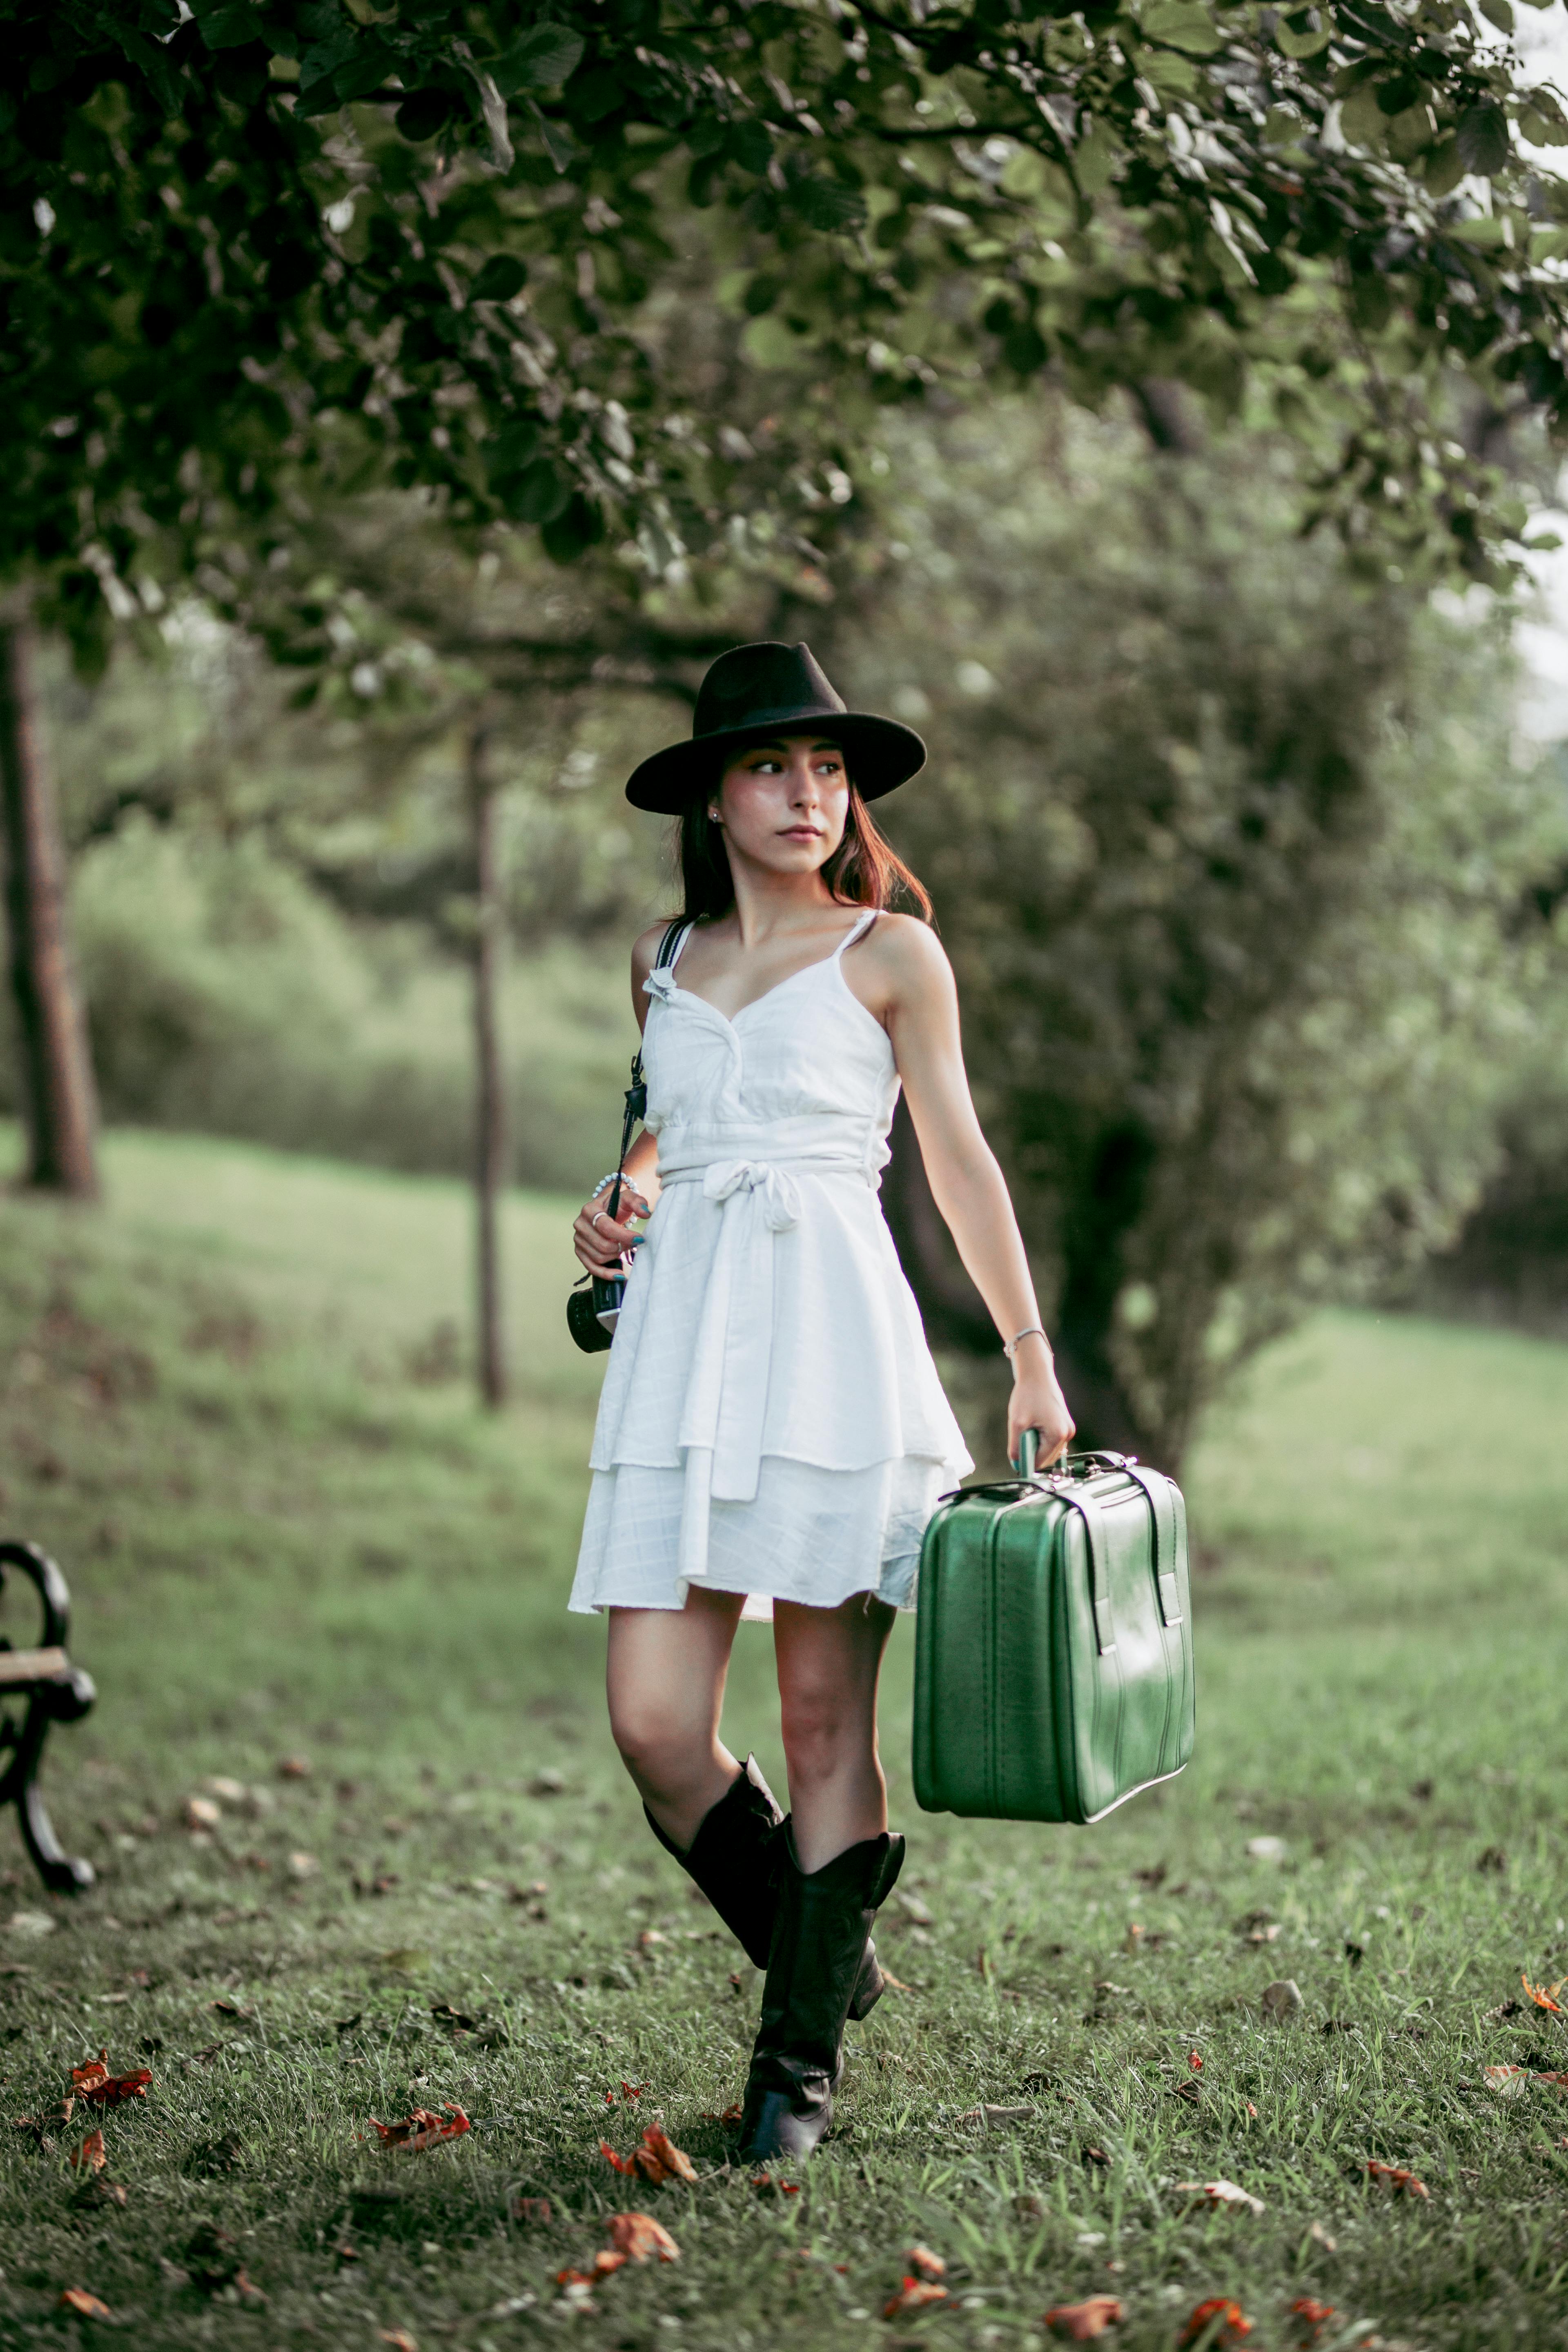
{"x":1052,"y":1642}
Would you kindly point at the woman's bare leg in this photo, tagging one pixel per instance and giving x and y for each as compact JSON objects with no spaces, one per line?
{"x":665,"y":1680}
{"x":829,"y":1661}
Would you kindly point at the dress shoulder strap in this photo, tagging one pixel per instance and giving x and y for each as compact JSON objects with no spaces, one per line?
{"x":856,"y":931}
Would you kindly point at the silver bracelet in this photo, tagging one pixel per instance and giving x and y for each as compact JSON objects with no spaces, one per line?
{"x":1027,"y":1332}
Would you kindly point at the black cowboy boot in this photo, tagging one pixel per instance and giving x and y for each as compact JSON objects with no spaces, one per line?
{"x":820,"y":1943}
{"x":734,"y":1859}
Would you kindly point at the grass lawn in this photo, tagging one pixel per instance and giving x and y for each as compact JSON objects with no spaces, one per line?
{"x":230,"y":1408}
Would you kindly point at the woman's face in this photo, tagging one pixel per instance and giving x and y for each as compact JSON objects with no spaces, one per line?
{"x":783,"y":804}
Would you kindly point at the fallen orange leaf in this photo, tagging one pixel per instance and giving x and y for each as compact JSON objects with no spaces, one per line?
{"x":656,"y":2158}
{"x":422,"y":2130}
{"x":639,"y":2236}
{"x":1080,"y":2322}
{"x":1396,"y":2178}
{"x":913,"y":2295}
{"x":1542,"y":1995}
{"x":1220,"y":2195}
{"x":95,"y":2082}
{"x":766,"y":2185}
{"x":85,"y":2306}
{"x":1232,"y":2323}
{"x":924,"y":2263}
{"x":399,"y":2338}
{"x":535,"y":2211}
{"x":1313,"y":2316}
{"x":89,"y":2156}
{"x":1194,"y":2062}
{"x":633,"y":2090}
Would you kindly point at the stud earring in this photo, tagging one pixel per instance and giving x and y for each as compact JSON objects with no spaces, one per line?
{"x":713,"y":817}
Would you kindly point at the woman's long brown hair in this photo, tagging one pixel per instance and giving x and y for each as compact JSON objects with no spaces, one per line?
{"x":865,"y":870}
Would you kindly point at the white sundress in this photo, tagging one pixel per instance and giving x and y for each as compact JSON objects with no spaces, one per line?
{"x":771,"y":1422}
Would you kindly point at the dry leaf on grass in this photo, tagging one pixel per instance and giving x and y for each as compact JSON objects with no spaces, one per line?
{"x":639,"y":2237}
{"x":1216,"y":2321}
{"x":1080,"y":2322}
{"x":913,"y":2295}
{"x":85,"y":2306}
{"x":924,"y":2263}
{"x":602,"y":2267}
{"x":766,"y":2185}
{"x":1545,"y":1996}
{"x":1310,"y":2317}
{"x":1194,"y":2063}
{"x":534,"y":2211}
{"x":1319,"y":2237}
{"x":89,"y":2156}
{"x":633,"y":2090}
{"x":422,"y":2130}
{"x":1397,"y":2179}
{"x":655,"y":2159}
{"x":1221,"y":2195}
{"x":399,"y":2339}
{"x":95,"y":2082}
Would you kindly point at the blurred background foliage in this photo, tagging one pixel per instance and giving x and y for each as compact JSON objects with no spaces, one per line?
{"x":1253,"y":893}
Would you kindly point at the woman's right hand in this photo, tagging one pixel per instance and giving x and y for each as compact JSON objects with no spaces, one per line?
{"x":601,"y":1240}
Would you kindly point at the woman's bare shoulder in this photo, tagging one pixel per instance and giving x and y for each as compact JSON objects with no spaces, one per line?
{"x":907,"y":950}
{"x":645,"y":947}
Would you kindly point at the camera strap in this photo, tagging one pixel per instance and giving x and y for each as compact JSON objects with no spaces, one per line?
{"x":637,"y":1092}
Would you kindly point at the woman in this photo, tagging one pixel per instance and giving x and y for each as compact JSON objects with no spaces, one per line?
{"x":772,"y":1429}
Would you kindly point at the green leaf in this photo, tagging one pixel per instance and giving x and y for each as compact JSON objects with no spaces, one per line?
{"x":538,"y":494}
{"x":827,"y":204}
{"x":155,"y":62}
{"x":503,"y":275}
{"x":424,"y":113}
{"x":1181,"y":25}
{"x":230,"y":27}
{"x":1305,"y":33}
{"x":512,"y":449}
{"x":364,"y":71}
{"x":749,"y":145}
{"x":544,"y":58}
{"x":768,"y":343}
{"x":1444,"y":168}
{"x":1483,"y":139}
{"x":1542,"y":122}
{"x":578,"y":527}
{"x":1498,"y":12}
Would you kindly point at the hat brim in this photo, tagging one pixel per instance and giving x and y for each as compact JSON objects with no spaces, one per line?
{"x":881,"y":755}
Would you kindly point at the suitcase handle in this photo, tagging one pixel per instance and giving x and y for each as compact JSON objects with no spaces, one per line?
{"x":1067,"y":1465}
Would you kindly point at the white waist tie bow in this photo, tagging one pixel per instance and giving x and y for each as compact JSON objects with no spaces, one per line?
{"x":725,"y":1407}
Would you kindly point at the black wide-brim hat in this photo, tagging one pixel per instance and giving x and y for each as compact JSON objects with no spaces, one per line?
{"x":759,"y":692}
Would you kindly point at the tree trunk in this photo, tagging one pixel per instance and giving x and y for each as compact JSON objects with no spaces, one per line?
{"x":955,"y":1315}
{"x":60,"y":1101}
{"x":490,"y":1121}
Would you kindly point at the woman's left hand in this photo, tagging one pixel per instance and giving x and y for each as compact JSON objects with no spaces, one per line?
{"x":1037,"y":1403}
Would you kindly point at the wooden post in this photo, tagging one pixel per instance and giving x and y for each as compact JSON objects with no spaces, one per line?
{"x":490,"y":1106}
{"x":60,"y":1100}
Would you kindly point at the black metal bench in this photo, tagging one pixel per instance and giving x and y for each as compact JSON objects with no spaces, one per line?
{"x":48,"y":1689}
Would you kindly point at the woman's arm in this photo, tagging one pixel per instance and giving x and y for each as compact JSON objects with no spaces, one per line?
{"x":599,"y":1238}
{"x":918,"y":1006}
